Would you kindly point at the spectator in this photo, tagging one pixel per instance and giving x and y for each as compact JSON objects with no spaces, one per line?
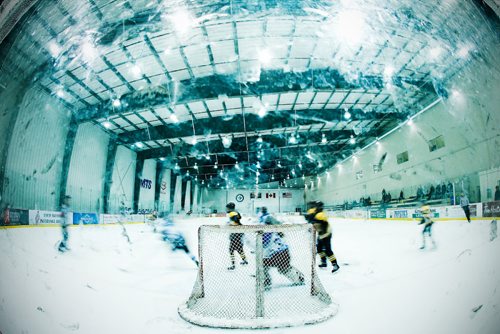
{"x":401,"y":196}
{"x":497,"y":194}
{"x":384,"y":196}
{"x":420,"y":193}
{"x":430,"y":194}
{"x":63,"y":245}
{"x":6,"y":215}
{"x":443,"y":190}
{"x":449,"y":193}
{"x":438,"y":192}
{"x":464,"y":203}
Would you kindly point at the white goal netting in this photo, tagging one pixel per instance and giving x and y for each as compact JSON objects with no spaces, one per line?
{"x":278,"y":287}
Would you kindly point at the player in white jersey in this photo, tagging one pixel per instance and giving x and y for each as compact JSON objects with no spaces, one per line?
{"x":171,"y":235}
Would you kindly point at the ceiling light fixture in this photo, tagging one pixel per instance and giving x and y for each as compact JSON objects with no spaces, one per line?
{"x":265,"y":56}
{"x":107,"y":124}
{"x":352,"y":141}
{"x":347,"y":114}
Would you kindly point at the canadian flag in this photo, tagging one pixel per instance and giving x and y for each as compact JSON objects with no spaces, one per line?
{"x":270,"y":195}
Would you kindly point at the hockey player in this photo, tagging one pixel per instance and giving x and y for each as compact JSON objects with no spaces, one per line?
{"x":320,"y":221}
{"x":276,"y":253}
{"x":63,"y":245}
{"x":123,"y":217}
{"x":427,"y":221}
{"x":235,"y":239}
{"x":311,"y":210}
{"x":266,"y":218}
{"x":173,"y":236}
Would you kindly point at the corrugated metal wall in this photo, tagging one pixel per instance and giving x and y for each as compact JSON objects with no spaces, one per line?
{"x":122,"y":187}
{"x":87,"y":168}
{"x":35,"y":154}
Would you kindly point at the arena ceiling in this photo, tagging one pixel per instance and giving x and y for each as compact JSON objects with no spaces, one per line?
{"x":231,"y":93}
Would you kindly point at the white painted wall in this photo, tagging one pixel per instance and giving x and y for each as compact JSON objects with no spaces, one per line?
{"x":87,"y":168}
{"x":273,"y":199}
{"x":33,"y":165}
{"x":187,"y":197}
{"x":147,"y":195}
{"x":469,"y":121}
{"x":176,"y":205}
{"x":196,"y":196}
{"x":122,"y":186}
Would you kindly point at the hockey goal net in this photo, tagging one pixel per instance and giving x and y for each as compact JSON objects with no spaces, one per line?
{"x":278,"y":287}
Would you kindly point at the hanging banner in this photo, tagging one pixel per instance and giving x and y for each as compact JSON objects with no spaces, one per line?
{"x":163,"y":187}
{"x":38,"y":217}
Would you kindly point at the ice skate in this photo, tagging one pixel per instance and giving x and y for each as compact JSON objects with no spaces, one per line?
{"x":232,"y":267}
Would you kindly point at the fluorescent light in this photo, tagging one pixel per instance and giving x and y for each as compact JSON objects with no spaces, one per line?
{"x":260,"y":140}
{"x":323,"y":139}
{"x":226,"y":141}
{"x":388,"y":71}
{"x":435,"y":52}
{"x":107,"y":124}
{"x":194,"y":141}
{"x":262,"y":111}
{"x":182,"y":21}
{"x":347,"y":114}
{"x":265,"y":56}
{"x":162,"y":159}
{"x":174,"y":118}
{"x":60,"y":93}
{"x":139,"y":145}
{"x":352,"y":141}
{"x":292,"y":140}
{"x":54,"y":49}
{"x":88,"y":51}
{"x":135,"y":70}
{"x":117,"y":103}
{"x":350,"y":27}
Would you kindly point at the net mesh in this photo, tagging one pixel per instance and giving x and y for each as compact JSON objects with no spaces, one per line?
{"x":257,"y":277}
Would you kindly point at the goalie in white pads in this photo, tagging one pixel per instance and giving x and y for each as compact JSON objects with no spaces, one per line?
{"x":276,"y":253}
{"x":173,"y":236}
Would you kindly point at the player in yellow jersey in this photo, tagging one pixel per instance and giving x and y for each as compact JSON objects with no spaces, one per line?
{"x":320,"y":221}
{"x":235,"y":239}
{"x":427,"y":221}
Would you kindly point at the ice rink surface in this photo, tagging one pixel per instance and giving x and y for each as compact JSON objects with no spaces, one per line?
{"x":105,"y":285}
